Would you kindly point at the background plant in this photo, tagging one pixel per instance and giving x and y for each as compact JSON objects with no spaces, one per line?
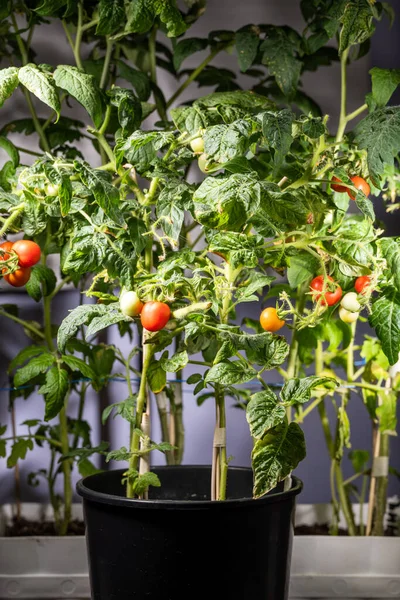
{"x":265,"y":205}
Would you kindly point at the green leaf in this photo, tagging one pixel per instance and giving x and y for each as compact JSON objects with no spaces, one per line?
{"x":11,"y":150}
{"x":277,"y":129}
{"x":302,"y":267}
{"x":144,"y":481}
{"x":223,"y":202}
{"x":263,"y":412}
{"x":379,"y":134}
{"x":50,"y":7}
{"x":24,"y":355}
{"x":41,"y":84}
{"x":105,"y":193}
{"x":156,"y":377}
{"x":79,"y":365}
{"x":298,"y":391}
{"x":175,"y":363}
{"x":41,"y":283}
{"x":387,"y":413}
{"x":313,"y":127}
{"x":357,"y":24}
{"x":79,"y":316}
{"x":280,"y":55}
{"x":343,"y":433}
{"x":384,"y":83}
{"x":276,"y":455}
{"x":129,"y":109}
{"x":102,"y":321}
{"x":223,"y":143}
{"x":34,"y":367}
{"x":230,"y":373}
{"x":247,"y":41}
{"x":186,"y":48}
{"x":391,"y":251}
{"x":19,"y":450}
{"x":138,"y":79}
{"x":111,"y":16}
{"x":365,"y":205}
{"x":271,"y":354}
{"x":359,"y":459}
{"x":141,"y":15}
{"x":86,"y":468}
{"x":54,"y":391}
{"x":83,"y":88}
{"x":174,"y":198}
{"x":385,"y":319}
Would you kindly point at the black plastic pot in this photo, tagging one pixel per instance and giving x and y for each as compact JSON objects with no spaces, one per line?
{"x":179,"y":545}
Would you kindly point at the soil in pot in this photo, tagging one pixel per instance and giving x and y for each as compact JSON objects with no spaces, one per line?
{"x":23,"y":527}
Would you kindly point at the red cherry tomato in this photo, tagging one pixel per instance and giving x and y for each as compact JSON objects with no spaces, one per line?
{"x":270,"y":321}
{"x":5,"y":246}
{"x":362,"y":283}
{"x":360,"y":184}
{"x":19,"y":278}
{"x":28,"y":252}
{"x":336,"y":187}
{"x":328,"y":297}
{"x":155,"y":315}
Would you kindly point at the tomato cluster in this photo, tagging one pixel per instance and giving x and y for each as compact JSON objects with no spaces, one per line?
{"x":153,"y":315}
{"x":328,"y":292}
{"x":28,"y":253}
{"x":358,"y":182}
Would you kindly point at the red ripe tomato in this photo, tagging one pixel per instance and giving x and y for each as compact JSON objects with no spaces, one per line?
{"x":19,"y":278}
{"x":270,"y":321}
{"x":336,"y":187}
{"x":328,"y":297}
{"x":362,"y":283}
{"x":155,"y":315}
{"x":28,"y":252}
{"x":6,"y":246}
{"x":360,"y":184}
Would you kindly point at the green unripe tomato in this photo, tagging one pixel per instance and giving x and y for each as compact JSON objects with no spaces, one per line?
{"x":350,"y":302}
{"x":51,"y":190}
{"x":130,"y":304}
{"x":202,"y":162}
{"x":347,"y":316}
{"x":197,"y":145}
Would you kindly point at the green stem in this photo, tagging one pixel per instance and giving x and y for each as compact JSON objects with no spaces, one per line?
{"x":103,"y":129}
{"x":106,"y":64}
{"x":356,"y":112}
{"x":81,"y":405}
{"x":10,"y":220}
{"x":343,"y":96}
{"x":148,"y":352}
{"x":78,"y":38}
{"x":363,"y":494}
{"x":294,"y":345}
{"x":66,"y":467}
{"x":378,"y":528}
{"x":40,"y":438}
{"x":193,"y":76}
{"x":24,"y":324}
{"x":53,"y":497}
{"x":344,"y":501}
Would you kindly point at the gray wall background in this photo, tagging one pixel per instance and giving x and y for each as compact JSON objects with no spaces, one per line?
{"x":324,"y":87}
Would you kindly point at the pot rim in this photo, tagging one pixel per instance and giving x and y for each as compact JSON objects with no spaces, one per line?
{"x":83,"y":489}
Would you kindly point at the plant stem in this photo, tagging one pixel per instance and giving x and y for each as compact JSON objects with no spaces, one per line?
{"x":24,"y":324}
{"x":17,"y":478}
{"x":148,"y":352}
{"x":161,"y":400}
{"x":66,"y":464}
{"x":193,"y":76}
{"x":106,"y":64}
{"x":344,"y":501}
{"x":362,"y":501}
{"x":16,"y":211}
{"x":356,"y":112}
{"x":343,"y":96}
{"x":378,"y":528}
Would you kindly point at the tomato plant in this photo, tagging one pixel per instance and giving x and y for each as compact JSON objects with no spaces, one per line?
{"x":130,"y":304}
{"x":28,"y":252}
{"x":155,"y":315}
{"x":270,"y":321}
{"x":265,"y":160}
{"x":19,"y":277}
{"x":325,"y":290}
{"x":361,"y":185}
{"x":362,"y":284}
